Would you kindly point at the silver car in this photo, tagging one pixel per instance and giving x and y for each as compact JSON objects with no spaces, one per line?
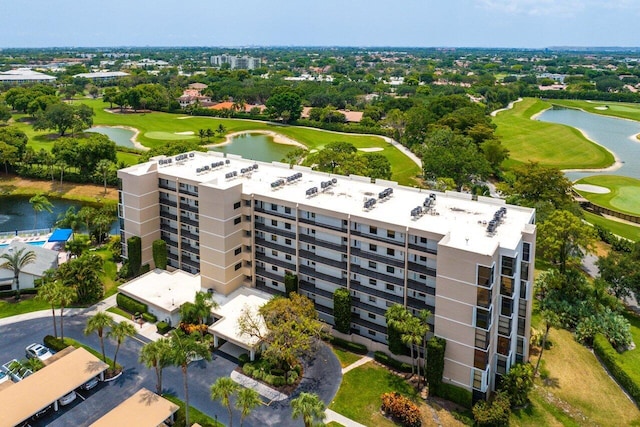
{"x":37,"y":351}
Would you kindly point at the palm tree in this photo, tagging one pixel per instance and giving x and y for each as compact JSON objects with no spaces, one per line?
{"x":551,"y":320}
{"x":221,"y":129}
{"x":49,"y":291}
{"x":67,"y":296}
{"x":40,"y":203}
{"x":412,"y":336}
{"x":97,"y":323}
{"x":209,"y":133}
{"x":156,"y":355}
{"x":248,"y":399}
{"x":16,"y":260}
{"x":69,"y":219}
{"x":310,"y":407}
{"x":119,"y":332}
{"x":183,"y":348}
{"x":202,"y":134}
{"x":103,"y":167}
{"x":424,"y":316}
{"x":222,"y":390}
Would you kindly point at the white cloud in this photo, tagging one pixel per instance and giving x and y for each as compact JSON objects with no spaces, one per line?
{"x":564,"y":8}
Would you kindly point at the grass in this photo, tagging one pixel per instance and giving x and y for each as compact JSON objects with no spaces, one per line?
{"x":622,"y":229}
{"x":109,"y":271}
{"x":359,"y":395}
{"x":10,"y":307}
{"x":195,"y":416}
{"x":17,"y":186}
{"x":334,"y":424}
{"x":346,"y":358}
{"x":624,"y":195}
{"x":621,"y":110}
{"x":549,"y":144}
{"x":120,"y":312}
{"x":578,"y":390}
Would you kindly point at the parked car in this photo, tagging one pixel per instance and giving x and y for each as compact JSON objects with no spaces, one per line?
{"x":67,"y":399}
{"x":37,"y":351}
{"x":90,"y":384}
{"x":41,"y":413}
{"x":3,"y":377}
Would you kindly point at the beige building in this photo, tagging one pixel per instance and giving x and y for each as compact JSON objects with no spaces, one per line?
{"x":238,"y":223}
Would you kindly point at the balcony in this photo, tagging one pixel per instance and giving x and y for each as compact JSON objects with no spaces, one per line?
{"x":172,"y":256}
{"x":423,"y":248}
{"x":317,"y":242}
{"x":169,"y":215}
{"x":263,"y":287}
{"x":377,"y":257}
{"x":166,"y":201}
{"x":369,"y":325}
{"x":190,"y":262}
{"x":342,"y":229}
{"x":322,"y":276}
{"x":422,"y":269}
{"x":166,"y":186}
{"x":377,"y":275}
{"x":189,"y":192}
{"x":358,"y":303}
{"x":269,"y":274}
{"x":342,"y":265}
{"x":310,"y":287}
{"x":420,"y":287}
{"x":188,"y":207}
{"x":357,"y":286}
{"x":274,"y":230}
{"x":275,"y":261}
{"x":419,"y":304}
{"x":290,"y":216}
{"x":378,"y":238}
{"x":168,"y":228}
{"x":192,"y":249}
{"x":275,"y":246}
{"x":189,"y":235}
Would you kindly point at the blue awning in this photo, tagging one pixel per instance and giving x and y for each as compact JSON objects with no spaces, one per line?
{"x":61,"y":235}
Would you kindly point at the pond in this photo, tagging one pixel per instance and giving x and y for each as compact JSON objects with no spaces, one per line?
{"x":120,"y":136}
{"x":256,"y":146}
{"x":16,"y":213}
{"x":617,"y":135}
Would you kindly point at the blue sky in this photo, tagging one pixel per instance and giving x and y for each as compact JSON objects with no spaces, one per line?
{"x":474,"y":23}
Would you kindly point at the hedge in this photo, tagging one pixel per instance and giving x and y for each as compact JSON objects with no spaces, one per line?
{"x":342,"y":310}
{"x":290,"y":282}
{"x":134,"y":254}
{"x":353,"y":347}
{"x":389,"y":361}
{"x":163,"y":327}
{"x":129,"y":304}
{"x":608,"y":355}
{"x":435,"y":355}
{"x":54,"y":343}
{"x":459,"y":395}
{"x":159,"y":248}
{"x":148,"y":317}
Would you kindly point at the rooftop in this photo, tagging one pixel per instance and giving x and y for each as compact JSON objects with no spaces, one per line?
{"x":24,"y":74}
{"x":45,"y":258}
{"x":455,"y":215}
{"x":144,"y":408}
{"x":102,"y":74}
{"x":167,"y":290}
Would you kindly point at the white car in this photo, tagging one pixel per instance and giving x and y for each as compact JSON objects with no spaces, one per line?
{"x":37,"y":351}
{"x":90,"y":384}
{"x":67,"y":399}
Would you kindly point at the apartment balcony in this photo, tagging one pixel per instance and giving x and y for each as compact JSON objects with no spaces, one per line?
{"x":274,"y":230}
{"x":369,"y":325}
{"x":423,"y":248}
{"x":190,"y":262}
{"x":377,"y":275}
{"x":422,"y":269}
{"x":263,"y":287}
{"x":341,"y":229}
{"x":310,"y":287}
{"x":275,"y":261}
{"x":317,"y":242}
{"x":420,"y":305}
{"x":188,"y":207}
{"x":358,"y":303}
{"x":168,"y":228}
{"x":420,"y":287}
{"x":167,"y":202}
{"x":192,"y":249}
{"x":366,"y":290}
{"x":290,"y":216}
{"x":341,"y":281}
{"x":187,"y":220}
{"x":342,"y":265}
{"x":269,"y":274}
{"x":377,"y":257}
{"x":189,"y":235}
{"x":168,"y":215}
{"x":378,"y":238}
{"x":188,"y":192}
{"x":166,"y":187}
{"x":275,"y":246}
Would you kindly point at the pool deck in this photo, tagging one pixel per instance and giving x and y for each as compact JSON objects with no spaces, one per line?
{"x":37,"y":238}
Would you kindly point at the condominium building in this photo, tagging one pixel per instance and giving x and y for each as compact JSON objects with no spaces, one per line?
{"x":237,"y":223}
{"x":240,"y":62}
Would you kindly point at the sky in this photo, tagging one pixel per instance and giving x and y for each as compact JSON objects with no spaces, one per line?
{"x":408,"y":23}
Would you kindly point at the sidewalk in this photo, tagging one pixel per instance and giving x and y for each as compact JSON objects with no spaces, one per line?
{"x":340,"y":419}
{"x":264,"y":391}
{"x":365,"y":359}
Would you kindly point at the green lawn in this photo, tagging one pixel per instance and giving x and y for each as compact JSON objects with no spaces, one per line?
{"x":109,"y":271}
{"x":195,"y":416}
{"x":359,"y":395}
{"x":622,"y":229}
{"x":346,"y":358}
{"x":606,"y":108}
{"x":624,"y":195}
{"x":10,"y":307}
{"x":120,"y":312}
{"x":549,"y":144}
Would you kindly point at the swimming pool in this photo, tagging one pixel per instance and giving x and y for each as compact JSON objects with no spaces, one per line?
{"x":36,"y":243}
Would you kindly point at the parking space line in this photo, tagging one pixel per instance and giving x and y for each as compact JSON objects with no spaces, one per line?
{"x":81,"y":396}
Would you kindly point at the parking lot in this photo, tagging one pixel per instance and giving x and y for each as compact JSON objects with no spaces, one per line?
{"x":322,"y":376}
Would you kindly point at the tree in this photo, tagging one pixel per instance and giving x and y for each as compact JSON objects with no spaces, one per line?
{"x":5,"y":112}
{"x":396,"y":316}
{"x":378,"y":166}
{"x":295,"y":156}
{"x":196,"y":312}
{"x":8,"y":155}
{"x":342,"y":310}
{"x":16,"y":259}
{"x":134,"y":253}
{"x":222,"y":390}
{"x":98,"y":323}
{"x":70,"y":219}
{"x":40,"y":203}
{"x":156,"y":355}
{"x":436,"y":348}
{"x":551,"y":320}
{"x":494,"y":413}
{"x":411,"y":336}
{"x":310,"y":407}
{"x":83,"y":274}
{"x":202,"y":134}
{"x":49,"y":291}
{"x":563,"y":237}
{"x":109,"y":95}
{"x":221,"y":130}
{"x":209,"y":133}
{"x":247,"y":400}
{"x":619,"y":271}
{"x":159,"y":250}
{"x":104,"y":167}
{"x":533,"y":183}
{"x":62,"y":116}
{"x":66,"y":297}
{"x":183,"y":348}
{"x":285,"y":105}
{"x":518,"y":383}
{"x":120,"y":332}
{"x":450,"y":155}
{"x":78,"y":245}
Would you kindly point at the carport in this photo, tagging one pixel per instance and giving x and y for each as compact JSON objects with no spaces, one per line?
{"x":46,"y":386}
{"x":144,"y":408}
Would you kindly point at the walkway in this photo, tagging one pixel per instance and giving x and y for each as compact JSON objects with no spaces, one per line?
{"x":360,"y":362}
{"x":264,"y":391}
{"x":340,"y":419}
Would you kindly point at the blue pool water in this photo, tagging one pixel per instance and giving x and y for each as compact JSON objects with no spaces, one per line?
{"x":36,"y":243}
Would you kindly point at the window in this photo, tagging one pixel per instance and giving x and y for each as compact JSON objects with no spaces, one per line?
{"x":274,"y":268}
{"x":483,"y":297}
{"x":274,"y":238}
{"x":373,"y":248}
{"x":274,"y":253}
{"x":373,"y":333}
{"x":526,"y":251}
{"x":391,"y":234}
{"x":238,"y":266}
{"x":391,"y":288}
{"x":237,"y":221}
{"x":485,"y":276}
{"x":371,"y":315}
{"x":274,"y":283}
{"x":373,"y":282}
{"x":237,"y":251}
{"x":391,"y":252}
{"x":390,"y":269}
{"x":287,"y":257}
{"x":506,"y":286}
{"x":524,"y":270}
{"x":247,"y":203}
{"x":503,"y":345}
{"x":482,"y":339}
{"x":274,"y":222}
{"x":506,"y":307}
{"x":373,"y":265}
{"x":483,"y":318}
{"x":373,"y":230}
{"x":508,"y":266}
{"x":480,"y":359}
{"x":287,"y":226}
{"x":287,"y":242}
{"x":287,"y":210}
{"x":372,"y":299}
{"x":274,"y":207}
{"x":236,"y":205}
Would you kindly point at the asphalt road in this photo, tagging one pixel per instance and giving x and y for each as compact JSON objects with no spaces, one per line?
{"x":322,"y":375}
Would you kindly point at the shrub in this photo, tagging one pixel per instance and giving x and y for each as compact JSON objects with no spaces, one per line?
{"x":248,"y":369}
{"x":518,"y":383}
{"x":276,"y":371}
{"x":459,"y":395}
{"x":495,"y":413}
{"x":608,"y":355}
{"x":134,"y":254}
{"x":148,"y":317}
{"x":163,"y":327}
{"x":292,"y":377}
{"x":342,"y":310}
{"x":54,"y":343}
{"x":401,"y":409}
{"x":129,"y":304}
{"x":353,"y":347}
{"x":435,"y":355}
{"x":190,"y":328}
{"x":125,"y":271}
{"x":269,"y":379}
{"x":145,"y":268}
{"x":290,"y":282}
{"x":391,"y":362}
{"x":278,"y":381}
{"x":159,"y":249}
{"x":243,"y":358}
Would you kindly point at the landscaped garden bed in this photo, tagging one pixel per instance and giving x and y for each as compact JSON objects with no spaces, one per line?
{"x":283,"y":381}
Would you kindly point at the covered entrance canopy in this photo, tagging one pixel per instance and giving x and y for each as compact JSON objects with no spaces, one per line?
{"x":60,"y":235}
{"x":143,"y":409}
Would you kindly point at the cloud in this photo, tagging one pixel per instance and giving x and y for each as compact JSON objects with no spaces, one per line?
{"x":564,"y":8}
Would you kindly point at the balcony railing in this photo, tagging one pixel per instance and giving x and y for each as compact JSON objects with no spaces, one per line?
{"x":376,"y":257}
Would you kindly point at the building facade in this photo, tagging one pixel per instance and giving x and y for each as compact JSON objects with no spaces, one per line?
{"x":240,"y":223}
{"x":235,"y":61}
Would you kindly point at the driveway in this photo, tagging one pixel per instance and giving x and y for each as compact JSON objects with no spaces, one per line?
{"x":322,"y":375}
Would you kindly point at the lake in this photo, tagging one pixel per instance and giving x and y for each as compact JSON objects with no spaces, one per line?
{"x":617,"y":135}
{"x":16,"y":213}
{"x":120,"y":136}
{"x":256,"y":146}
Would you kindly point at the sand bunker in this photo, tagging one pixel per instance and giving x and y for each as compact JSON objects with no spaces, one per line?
{"x":601,"y":107}
{"x":188,"y":132}
{"x":592,"y":188}
{"x":371,"y":149}
{"x":185,"y":117}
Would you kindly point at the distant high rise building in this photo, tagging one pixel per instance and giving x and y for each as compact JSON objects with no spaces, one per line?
{"x":240,"y":62}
